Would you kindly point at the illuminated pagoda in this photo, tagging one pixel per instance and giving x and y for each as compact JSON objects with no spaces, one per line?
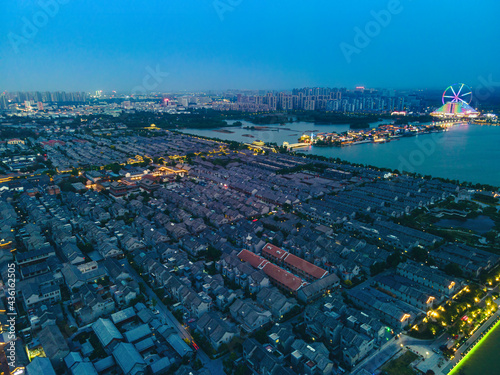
{"x":456,"y":103}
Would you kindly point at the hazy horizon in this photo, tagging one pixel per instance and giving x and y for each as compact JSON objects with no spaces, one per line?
{"x":206,"y":90}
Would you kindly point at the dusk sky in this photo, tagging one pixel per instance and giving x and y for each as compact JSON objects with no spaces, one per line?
{"x":254,"y":44}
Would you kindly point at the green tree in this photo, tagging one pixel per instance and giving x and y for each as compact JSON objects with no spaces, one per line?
{"x":242,"y":369}
{"x":197,"y":364}
{"x":453,"y":269}
{"x":419,"y":254}
{"x":393,"y":260}
{"x":261,"y":336}
{"x":376,"y":268}
{"x":86,"y":248}
{"x":115,"y":167}
{"x":213,"y":253}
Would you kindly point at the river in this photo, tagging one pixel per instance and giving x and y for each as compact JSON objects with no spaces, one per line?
{"x":466,"y":152}
{"x":482,"y":359}
{"x":481,"y":224}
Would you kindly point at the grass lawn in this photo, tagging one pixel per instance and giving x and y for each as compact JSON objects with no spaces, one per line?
{"x":400,"y":365}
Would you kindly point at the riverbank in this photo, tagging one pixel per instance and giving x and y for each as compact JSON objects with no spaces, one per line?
{"x":468,"y":353}
{"x":384,"y":133}
{"x":463,"y":153}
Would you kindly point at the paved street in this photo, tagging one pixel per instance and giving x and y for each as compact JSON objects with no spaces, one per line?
{"x":387,"y":351}
{"x":71,"y":320}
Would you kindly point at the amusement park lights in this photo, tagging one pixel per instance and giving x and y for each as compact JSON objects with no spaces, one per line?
{"x":459,"y":92}
{"x":456,"y":102}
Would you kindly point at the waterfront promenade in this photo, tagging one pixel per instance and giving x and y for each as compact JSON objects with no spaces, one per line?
{"x":462,"y":153}
{"x":475,"y":339}
{"x":432,"y":359}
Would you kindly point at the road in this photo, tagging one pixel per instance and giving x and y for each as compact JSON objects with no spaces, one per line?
{"x":214,"y":366}
{"x":69,"y":316}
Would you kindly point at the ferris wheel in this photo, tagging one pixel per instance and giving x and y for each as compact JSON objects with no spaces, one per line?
{"x":457,"y":93}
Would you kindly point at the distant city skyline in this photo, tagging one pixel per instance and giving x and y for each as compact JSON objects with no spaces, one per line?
{"x":229,"y":90}
{"x":480,"y":82}
{"x":77,"y":46}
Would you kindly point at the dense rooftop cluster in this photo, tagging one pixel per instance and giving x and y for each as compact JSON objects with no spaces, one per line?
{"x":193,"y":246}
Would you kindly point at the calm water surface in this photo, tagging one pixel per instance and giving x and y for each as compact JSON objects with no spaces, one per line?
{"x":480,"y":224}
{"x":465,"y":152}
{"x":484,"y":360}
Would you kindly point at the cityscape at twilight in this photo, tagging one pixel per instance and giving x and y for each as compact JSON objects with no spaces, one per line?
{"x":235,"y":188}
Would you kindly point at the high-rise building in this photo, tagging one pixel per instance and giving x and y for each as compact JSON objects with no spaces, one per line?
{"x":287,"y":103}
{"x":309,"y":104}
{"x":3,"y":102}
{"x":401,"y":104}
{"x":272,"y":102}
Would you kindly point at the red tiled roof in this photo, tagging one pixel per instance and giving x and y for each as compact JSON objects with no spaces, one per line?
{"x":283,"y":277}
{"x":274,"y":251}
{"x":310,"y":364}
{"x":52,"y":142}
{"x":305,"y":266}
{"x":308,"y":268}
{"x":276,"y":273}
{"x":254,"y":259}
